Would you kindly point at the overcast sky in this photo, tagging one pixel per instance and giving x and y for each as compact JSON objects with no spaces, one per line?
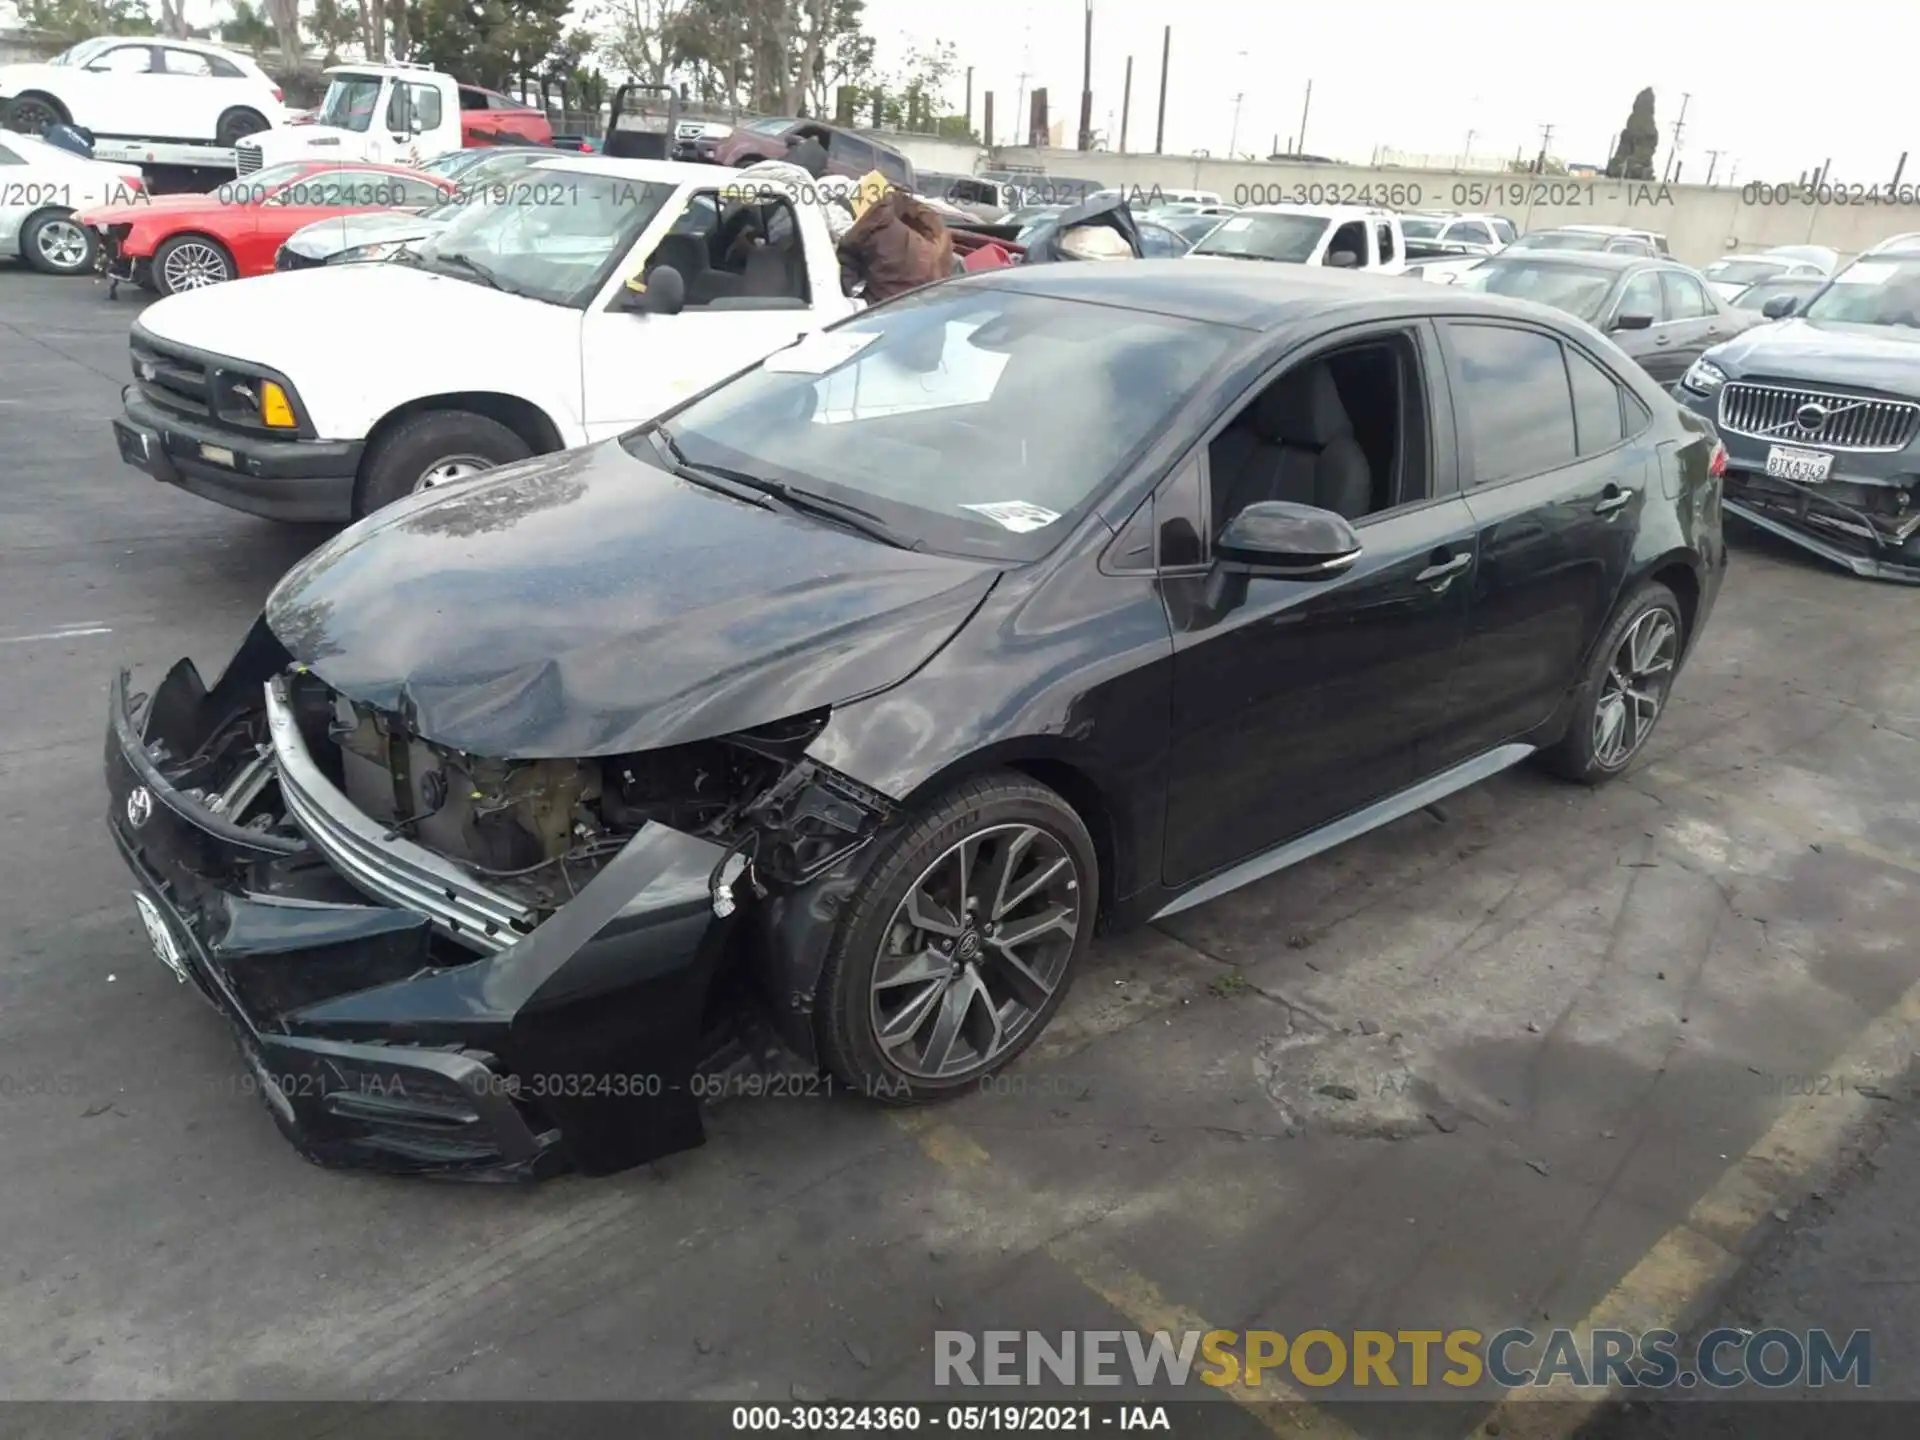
{"x":1771,"y":89}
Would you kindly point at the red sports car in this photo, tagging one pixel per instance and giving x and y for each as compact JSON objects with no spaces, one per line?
{"x":181,"y":242}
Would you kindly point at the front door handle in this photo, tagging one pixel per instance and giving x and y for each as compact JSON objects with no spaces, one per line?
{"x":1444,"y":569}
{"x":1612,"y":499}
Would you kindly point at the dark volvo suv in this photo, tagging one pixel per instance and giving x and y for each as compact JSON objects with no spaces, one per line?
{"x":1820,"y":414}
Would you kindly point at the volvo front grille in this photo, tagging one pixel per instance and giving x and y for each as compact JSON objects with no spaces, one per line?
{"x":1817,"y":417}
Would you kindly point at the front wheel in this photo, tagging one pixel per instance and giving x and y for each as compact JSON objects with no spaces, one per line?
{"x":54,"y":243}
{"x":1625,"y":691}
{"x":191,"y":262}
{"x":960,"y":943}
{"x":434,"y":448}
{"x":32,"y":114}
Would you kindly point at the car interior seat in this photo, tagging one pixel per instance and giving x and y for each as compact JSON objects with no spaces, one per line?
{"x":1295,"y":442}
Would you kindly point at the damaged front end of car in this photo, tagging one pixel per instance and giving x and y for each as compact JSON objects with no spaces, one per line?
{"x":437,"y":962}
{"x":1868,"y":525}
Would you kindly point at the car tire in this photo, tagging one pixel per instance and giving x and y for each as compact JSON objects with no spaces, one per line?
{"x":191,"y":262}
{"x":429,"y":449}
{"x":33,"y":112}
{"x":883,"y":966}
{"x":1625,"y":691}
{"x":236,"y":124}
{"x":54,"y":243}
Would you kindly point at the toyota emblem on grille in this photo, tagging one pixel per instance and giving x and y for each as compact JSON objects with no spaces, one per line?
{"x":1810,"y":416}
{"x":139,"y":806}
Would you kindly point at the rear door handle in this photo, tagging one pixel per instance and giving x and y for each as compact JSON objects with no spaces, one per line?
{"x":1612,"y":499}
{"x":1445,"y":568}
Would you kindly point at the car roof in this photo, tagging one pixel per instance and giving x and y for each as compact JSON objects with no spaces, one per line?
{"x":1328,"y":212}
{"x":1581,"y":259}
{"x":1255,"y":296}
{"x":1608,"y":230}
{"x":665,"y":172}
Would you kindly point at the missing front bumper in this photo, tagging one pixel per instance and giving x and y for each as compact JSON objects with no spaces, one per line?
{"x":1836,"y":533}
{"x":373,"y":1039}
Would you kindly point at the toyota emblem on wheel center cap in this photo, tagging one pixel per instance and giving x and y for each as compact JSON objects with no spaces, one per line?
{"x":139,"y":806}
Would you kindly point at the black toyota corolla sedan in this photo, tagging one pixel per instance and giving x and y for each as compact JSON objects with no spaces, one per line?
{"x":874,"y":680}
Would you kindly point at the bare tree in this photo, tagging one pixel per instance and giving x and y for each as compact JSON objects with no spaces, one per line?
{"x":285,"y":15}
{"x":173,"y":19}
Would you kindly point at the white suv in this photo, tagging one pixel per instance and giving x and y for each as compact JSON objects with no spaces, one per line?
{"x":144,"y":88}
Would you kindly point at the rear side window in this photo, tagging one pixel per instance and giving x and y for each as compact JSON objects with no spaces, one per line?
{"x":895,"y":168}
{"x":1385,"y":233}
{"x":845,"y":150}
{"x":1597,"y":408}
{"x":1517,"y":412}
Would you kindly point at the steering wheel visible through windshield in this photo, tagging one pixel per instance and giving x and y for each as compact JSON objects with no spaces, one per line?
{"x":975,"y":421}
{"x":1871,"y":292}
{"x":559,"y":246}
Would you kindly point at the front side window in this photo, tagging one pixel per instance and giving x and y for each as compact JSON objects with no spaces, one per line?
{"x":737,"y":251}
{"x":1513,"y":394}
{"x":559,"y":252}
{"x":1686,"y":300}
{"x":350,"y":102}
{"x":1265,"y":235}
{"x":1642,"y":295}
{"x":124,"y":60}
{"x":1049,"y":399}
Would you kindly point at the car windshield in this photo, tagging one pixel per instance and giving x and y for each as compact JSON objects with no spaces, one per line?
{"x":473,"y":182}
{"x":1561,"y":240}
{"x":1191,"y":227}
{"x":77,"y":54}
{"x":1743,"y":272}
{"x":559,"y":252}
{"x":1417,"y":229}
{"x":1265,"y":236}
{"x":350,"y":102}
{"x":1755,"y":297}
{"x":975,"y":421}
{"x":456,"y":162}
{"x":1872,"y":292}
{"x":1572,"y":288}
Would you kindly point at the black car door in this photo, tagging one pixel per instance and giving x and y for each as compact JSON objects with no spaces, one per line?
{"x":1693,"y":318}
{"x":1298,"y":701}
{"x":1554,"y":471}
{"x":1649,"y":346}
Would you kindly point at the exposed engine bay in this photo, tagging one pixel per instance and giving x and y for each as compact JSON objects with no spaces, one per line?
{"x":539,"y":830}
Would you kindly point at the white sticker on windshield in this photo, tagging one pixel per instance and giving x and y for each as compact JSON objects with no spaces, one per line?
{"x":820,"y":352}
{"x":1237,"y":222}
{"x":1016,"y":515}
{"x":1864,"y":273}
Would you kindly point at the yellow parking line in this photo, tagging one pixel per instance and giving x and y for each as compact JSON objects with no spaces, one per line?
{"x":1277,"y":1406}
{"x":1694,"y":1258}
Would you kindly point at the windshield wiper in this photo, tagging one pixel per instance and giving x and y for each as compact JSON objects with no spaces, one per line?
{"x":760,"y":490}
{"x":461,"y":261}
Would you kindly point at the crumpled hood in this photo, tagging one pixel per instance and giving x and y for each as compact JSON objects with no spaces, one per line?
{"x":1879,"y":357}
{"x":591,"y":603}
{"x":347,"y":232}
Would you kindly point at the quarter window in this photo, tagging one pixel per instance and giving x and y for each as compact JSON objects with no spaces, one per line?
{"x":1518,"y":412}
{"x":1596,"y":405}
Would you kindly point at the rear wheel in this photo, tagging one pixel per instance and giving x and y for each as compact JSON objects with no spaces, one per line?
{"x":32,"y":113}
{"x":430,"y":449}
{"x":54,"y":243}
{"x":191,"y":262}
{"x":236,"y":125}
{"x":1625,"y":691}
{"x":960,"y":944}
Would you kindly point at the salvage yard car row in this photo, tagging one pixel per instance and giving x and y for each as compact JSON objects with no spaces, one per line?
{"x":525,"y":770}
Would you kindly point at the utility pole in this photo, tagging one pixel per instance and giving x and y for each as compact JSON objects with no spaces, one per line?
{"x":1306,"y":106}
{"x":1020,"y":96}
{"x":969,"y":97}
{"x":1679,"y":129}
{"x":1233,"y":140}
{"x":1466,"y":152}
{"x":986,"y":118}
{"x":1546,"y":139}
{"x":1713,"y":160}
{"x":1126,"y":105}
{"x":1160,"y":128}
{"x":1086,"y":83}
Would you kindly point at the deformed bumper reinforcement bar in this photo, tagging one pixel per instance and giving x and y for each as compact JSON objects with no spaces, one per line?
{"x":1859,"y":564}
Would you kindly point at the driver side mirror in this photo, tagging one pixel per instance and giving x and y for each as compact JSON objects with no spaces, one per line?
{"x":665,"y":293}
{"x":1632,"y":322}
{"x":1780,"y":306}
{"x":1344,"y":260}
{"x":1279,"y":538}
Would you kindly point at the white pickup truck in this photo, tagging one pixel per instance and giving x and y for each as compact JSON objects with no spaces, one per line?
{"x":396,"y":114}
{"x":523,"y":327}
{"x":1351,"y":237}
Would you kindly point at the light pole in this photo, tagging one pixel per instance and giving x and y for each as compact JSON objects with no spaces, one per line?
{"x":1233,"y":140}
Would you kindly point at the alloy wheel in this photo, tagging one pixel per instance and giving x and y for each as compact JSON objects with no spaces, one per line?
{"x":453,"y":467}
{"x":1635,"y":688}
{"x":192,"y":266}
{"x":32,"y":117}
{"x":975,"y":951}
{"x":62,"y":244}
